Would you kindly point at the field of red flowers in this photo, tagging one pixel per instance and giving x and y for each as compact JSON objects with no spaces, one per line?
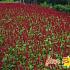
{"x":33,"y":38}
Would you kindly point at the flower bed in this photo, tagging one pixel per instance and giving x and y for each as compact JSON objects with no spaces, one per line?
{"x":33,"y":38}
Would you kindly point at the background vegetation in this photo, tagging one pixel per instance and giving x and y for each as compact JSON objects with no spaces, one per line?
{"x":60,"y":5}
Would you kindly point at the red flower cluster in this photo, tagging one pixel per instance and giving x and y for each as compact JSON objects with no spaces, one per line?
{"x":31,"y":33}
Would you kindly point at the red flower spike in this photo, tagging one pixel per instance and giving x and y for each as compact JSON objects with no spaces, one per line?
{"x":21,"y":67}
{"x":27,"y":55}
{"x":43,"y":31}
{"x":24,"y":36}
{"x":1,"y":63}
{"x":59,"y":50}
{"x":35,"y":67}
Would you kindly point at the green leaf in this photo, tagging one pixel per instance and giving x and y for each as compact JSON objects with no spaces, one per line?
{"x":1,"y":39}
{"x":44,"y":51}
{"x":48,"y":27}
{"x":31,"y":32}
{"x":62,"y":40}
{"x":48,"y":43}
{"x":21,"y":31}
{"x":5,"y":59}
{"x":31,"y":66}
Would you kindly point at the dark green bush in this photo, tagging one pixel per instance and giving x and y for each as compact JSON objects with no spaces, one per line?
{"x":58,"y":7}
{"x":62,"y":8}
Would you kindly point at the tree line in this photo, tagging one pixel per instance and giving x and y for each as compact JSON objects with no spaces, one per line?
{"x":41,"y":1}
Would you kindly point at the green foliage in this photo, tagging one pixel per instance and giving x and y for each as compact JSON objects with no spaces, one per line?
{"x":1,"y":39}
{"x":58,"y":7}
{"x":7,"y":1}
{"x":62,"y":8}
{"x":63,"y":2}
{"x":45,"y":4}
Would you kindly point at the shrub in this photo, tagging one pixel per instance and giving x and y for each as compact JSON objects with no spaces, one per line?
{"x":62,"y":8}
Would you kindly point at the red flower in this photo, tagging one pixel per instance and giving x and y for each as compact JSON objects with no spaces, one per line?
{"x":21,"y":67}
{"x":26,"y":24}
{"x":27,"y":55}
{"x":43,"y":30}
{"x":67,"y":27}
{"x":3,"y":49}
{"x":62,"y":26}
{"x":8,"y":26}
{"x":1,"y":63}
{"x":35,"y":67}
{"x":36,"y":38}
{"x":24,"y":36}
{"x":1,"y":56}
{"x":38,"y":59}
{"x":66,"y":51}
{"x":59,"y":50}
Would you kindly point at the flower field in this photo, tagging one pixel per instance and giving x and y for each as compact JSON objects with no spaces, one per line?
{"x":33,"y":38}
